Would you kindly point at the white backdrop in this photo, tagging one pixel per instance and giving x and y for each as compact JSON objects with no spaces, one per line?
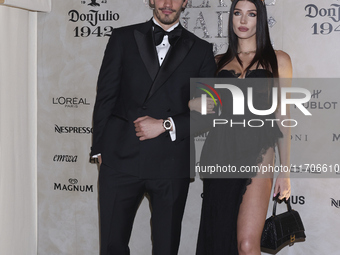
{"x":33,"y":5}
{"x":18,"y":131}
{"x":71,"y":44}
{"x":18,"y":125}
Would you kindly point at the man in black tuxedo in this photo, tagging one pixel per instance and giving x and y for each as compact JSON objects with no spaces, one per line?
{"x":141,"y":126}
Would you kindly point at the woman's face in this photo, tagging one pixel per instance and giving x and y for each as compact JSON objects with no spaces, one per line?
{"x":244,"y":19}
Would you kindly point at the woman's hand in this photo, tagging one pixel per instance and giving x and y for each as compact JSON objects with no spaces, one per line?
{"x":282,"y":186}
{"x":195,"y":105}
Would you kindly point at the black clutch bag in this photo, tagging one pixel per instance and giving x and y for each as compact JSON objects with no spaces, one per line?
{"x":283,"y":229}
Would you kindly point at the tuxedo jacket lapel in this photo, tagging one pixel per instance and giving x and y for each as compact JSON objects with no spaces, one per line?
{"x":147,"y":49}
{"x":148,"y":53}
{"x":174,"y":57}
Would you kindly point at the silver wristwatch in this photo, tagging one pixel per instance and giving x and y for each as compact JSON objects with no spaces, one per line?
{"x":167,"y":124}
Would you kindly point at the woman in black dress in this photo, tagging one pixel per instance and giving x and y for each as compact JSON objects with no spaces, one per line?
{"x":234,"y":209}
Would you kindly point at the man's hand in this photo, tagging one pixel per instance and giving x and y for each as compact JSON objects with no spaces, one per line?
{"x":148,"y":128}
{"x":99,"y":160}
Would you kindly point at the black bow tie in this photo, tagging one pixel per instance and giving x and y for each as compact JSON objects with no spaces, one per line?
{"x":159,"y":33}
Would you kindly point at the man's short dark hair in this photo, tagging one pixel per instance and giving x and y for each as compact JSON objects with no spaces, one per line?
{"x":152,"y":6}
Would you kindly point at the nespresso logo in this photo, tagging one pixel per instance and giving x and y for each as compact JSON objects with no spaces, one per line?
{"x":335,"y":203}
{"x":72,"y":130}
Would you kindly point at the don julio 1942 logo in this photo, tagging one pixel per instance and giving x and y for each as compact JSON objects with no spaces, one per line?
{"x":97,"y":21}
{"x":329,"y":26}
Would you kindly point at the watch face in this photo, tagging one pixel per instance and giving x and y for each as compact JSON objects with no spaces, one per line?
{"x":167,"y":124}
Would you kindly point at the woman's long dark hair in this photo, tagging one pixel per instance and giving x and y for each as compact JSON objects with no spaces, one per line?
{"x":265,"y":56}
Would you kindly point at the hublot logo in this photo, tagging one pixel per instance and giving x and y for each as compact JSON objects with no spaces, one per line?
{"x":320,"y":105}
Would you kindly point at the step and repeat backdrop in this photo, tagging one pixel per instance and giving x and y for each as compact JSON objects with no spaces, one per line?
{"x":71,"y":44}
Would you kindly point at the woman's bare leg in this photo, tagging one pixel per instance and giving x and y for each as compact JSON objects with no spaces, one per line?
{"x":253,"y":211}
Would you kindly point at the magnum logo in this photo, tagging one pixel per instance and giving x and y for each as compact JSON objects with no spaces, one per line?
{"x":73,"y":186}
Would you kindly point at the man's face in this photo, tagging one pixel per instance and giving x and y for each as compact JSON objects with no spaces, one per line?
{"x":167,"y":12}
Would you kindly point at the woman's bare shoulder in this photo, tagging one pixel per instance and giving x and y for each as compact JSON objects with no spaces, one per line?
{"x":282,"y":57}
{"x":284,"y":64}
